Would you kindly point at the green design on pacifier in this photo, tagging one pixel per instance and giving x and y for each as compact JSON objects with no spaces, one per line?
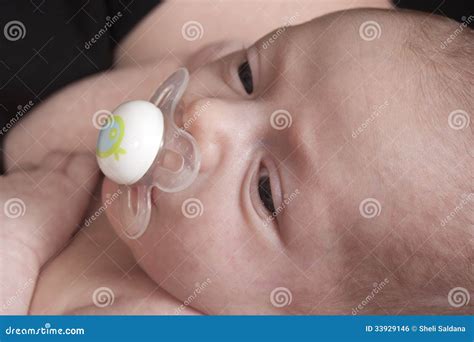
{"x":110,"y":138}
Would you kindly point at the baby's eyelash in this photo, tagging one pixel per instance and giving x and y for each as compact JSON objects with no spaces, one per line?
{"x":245,"y":76}
{"x":265,"y":193}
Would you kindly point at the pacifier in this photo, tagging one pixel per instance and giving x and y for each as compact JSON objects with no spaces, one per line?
{"x":140,"y":147}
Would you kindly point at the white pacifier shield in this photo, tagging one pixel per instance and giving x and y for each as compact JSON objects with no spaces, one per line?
{"x":129,"y":143}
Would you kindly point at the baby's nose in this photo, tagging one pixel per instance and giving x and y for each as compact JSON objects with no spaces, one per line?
{"x":214,"y":126}
{"x":201,"y":120}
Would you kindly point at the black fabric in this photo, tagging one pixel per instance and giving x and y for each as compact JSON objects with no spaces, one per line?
{"x":459,"y":10}
{"x":45,"y":45}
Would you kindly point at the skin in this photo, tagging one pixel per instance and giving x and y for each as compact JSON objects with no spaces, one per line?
{"x":319,"y":247}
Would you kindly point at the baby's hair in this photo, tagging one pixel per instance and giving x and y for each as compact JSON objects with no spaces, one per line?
{"x":447,"y":48}
{"x":438,"y":53}
{"x":444,"y":49}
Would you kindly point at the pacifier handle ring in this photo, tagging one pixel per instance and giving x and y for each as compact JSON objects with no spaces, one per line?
{"x":177,"y":140}
{"x":180,"y":77}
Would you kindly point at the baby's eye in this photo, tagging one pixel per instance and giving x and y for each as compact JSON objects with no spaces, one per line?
{"x":265,"y":193}
{"x":245,"y":75}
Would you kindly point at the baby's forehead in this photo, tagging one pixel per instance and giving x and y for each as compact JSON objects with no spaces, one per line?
{"x":332,"y":54}
{"x":350,"y":29}
{"x":336,"y":63}
{"x":310,"y":76}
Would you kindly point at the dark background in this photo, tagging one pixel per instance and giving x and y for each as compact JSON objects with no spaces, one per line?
{"x":52,"y":53}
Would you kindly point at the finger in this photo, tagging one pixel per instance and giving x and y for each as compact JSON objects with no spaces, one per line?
{"x":83,"y":170}
{"x":56,"y":161}
{"x":79,"y":169}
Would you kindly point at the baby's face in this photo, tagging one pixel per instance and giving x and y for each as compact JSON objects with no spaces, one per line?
{"x":319,"y":128}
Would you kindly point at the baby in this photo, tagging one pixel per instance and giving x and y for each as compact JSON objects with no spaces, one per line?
{"x":336,"y":178}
